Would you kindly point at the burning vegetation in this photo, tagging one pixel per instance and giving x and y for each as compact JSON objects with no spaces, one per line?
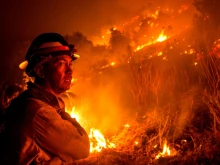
{"x":149,"y":93}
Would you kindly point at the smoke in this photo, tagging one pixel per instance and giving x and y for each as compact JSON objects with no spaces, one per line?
{"x":105,"y":100}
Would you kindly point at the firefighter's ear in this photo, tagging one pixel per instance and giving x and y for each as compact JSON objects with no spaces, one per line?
{"x":39,"y":70}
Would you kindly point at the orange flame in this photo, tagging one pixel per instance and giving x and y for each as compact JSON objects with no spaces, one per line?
{"x":73,"y":113}
{"x":97,"y":140}
{"x":162,"y":37}
{"x":166,"y":151}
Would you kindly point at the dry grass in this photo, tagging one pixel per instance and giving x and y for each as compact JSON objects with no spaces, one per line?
{"x":173,"y":105}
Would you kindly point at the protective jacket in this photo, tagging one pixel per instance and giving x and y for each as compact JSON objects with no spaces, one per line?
{"x":39,"y":131}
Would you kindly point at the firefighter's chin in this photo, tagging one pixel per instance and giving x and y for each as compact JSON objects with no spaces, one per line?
{"x":67,"y":83}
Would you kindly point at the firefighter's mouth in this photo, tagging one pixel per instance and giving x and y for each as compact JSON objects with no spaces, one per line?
{"x":68,"y":79}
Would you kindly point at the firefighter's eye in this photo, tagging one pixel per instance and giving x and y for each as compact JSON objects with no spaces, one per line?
{"x":61,"y":63}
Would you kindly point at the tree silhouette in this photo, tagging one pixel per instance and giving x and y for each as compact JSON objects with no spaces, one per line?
{"x":207,"y":23}
{"x":80,"y":41}
{"x":119,"y":45}
{"x":209,"y":9}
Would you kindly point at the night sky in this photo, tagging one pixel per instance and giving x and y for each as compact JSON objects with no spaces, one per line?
{"x":25,"y":19}
{"x":22,"y":20}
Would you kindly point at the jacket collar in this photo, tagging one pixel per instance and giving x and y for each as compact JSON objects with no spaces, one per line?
{"x":42,"y":94}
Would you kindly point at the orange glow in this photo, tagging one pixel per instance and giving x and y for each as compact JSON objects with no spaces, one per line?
{"x":191,"y":51}
{"x":160,"y":53}
{"x":136,"y":143}
{"x":164,"y":58}
{"x":73,"y":80}
{"x":112,"y":63}
{"x":155,"y":15}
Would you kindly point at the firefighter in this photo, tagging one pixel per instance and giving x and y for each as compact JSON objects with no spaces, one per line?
{"x":37,"y":128}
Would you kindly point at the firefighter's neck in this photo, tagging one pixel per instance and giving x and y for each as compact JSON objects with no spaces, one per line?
{"x":52,"y":91}
{"x":48,"y":87}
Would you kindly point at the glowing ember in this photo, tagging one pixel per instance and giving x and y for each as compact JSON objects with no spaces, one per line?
{"x":112,"y":63}
{"x":191,"y":51}
{"x":155,"y":16}
{"x":164,"y":58}
{"x":165,"y":152}
{"x":160,"y":53}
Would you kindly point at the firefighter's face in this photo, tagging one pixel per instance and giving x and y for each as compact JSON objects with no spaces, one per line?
{"x":58,"y":73}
